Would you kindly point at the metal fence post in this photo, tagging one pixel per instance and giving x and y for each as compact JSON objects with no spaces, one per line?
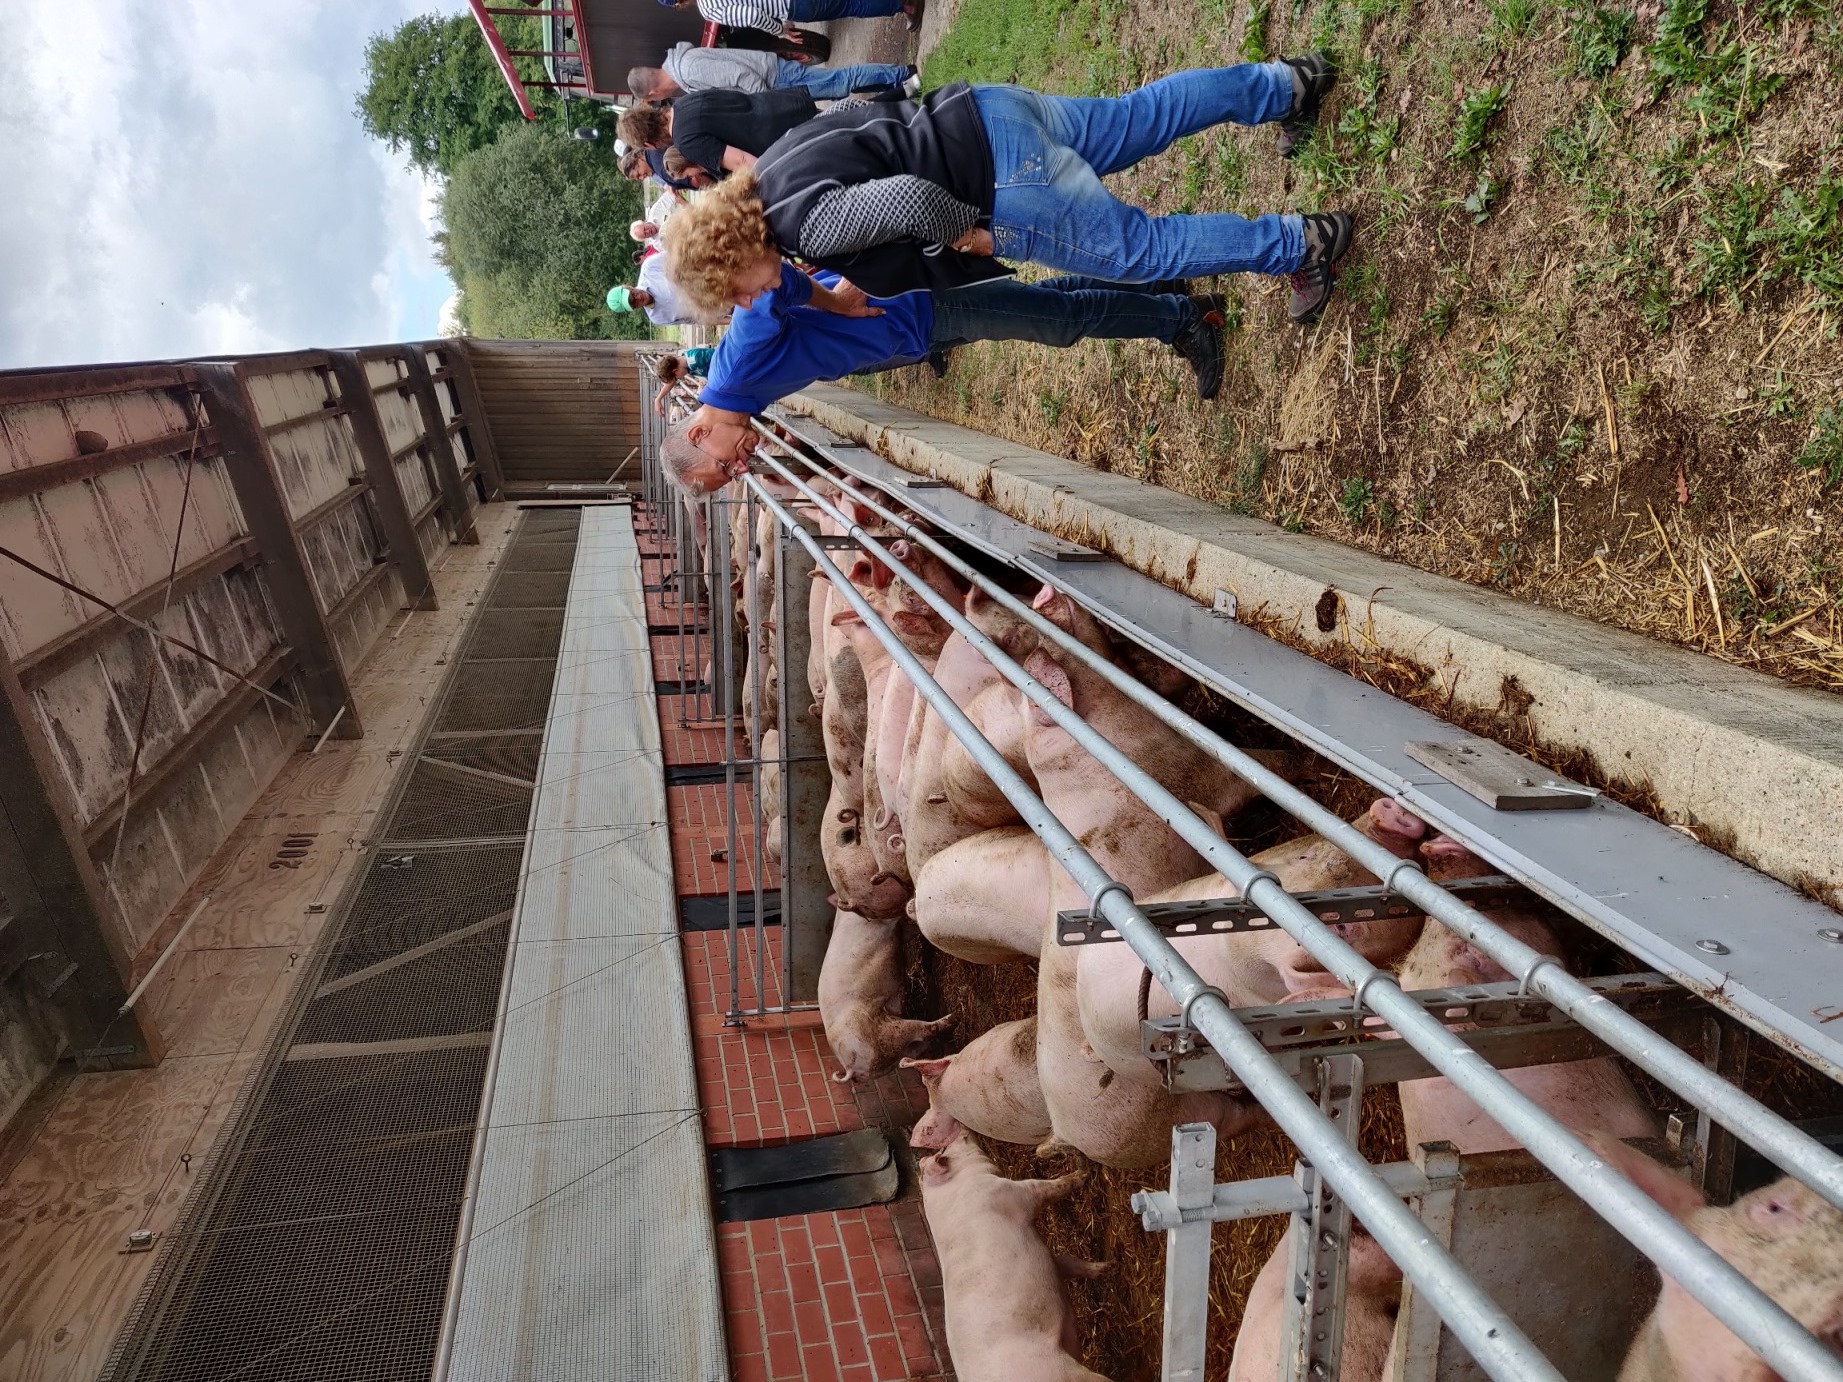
{"x":806,"y":782}
{"x":1320,"y":1241}
{"x":251,"y":467}
{"x":441,"y":446}
{"x":1193,"y":1186}
{"x":479,"y":425}
{"x":386,"y":492}
{"x":1417,"y":1327}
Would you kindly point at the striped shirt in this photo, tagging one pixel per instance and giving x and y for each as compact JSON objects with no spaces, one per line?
{"x":771,"y":15}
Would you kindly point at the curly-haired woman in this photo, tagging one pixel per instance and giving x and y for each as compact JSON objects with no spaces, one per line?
{"x":899,"y":195}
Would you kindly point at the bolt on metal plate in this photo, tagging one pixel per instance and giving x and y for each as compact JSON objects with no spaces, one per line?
{"x":1504,"y":781}
{"x":1225,"y":604}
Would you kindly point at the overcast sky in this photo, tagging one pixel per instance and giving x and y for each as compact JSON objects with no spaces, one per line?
{"x":186,"y":177}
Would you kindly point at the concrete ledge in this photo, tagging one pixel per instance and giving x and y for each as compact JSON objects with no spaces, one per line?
{"x":1742,"y":757}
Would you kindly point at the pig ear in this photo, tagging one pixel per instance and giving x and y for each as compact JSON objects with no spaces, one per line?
{"x":929,"y":1070}
{"x":1670,"y":1190}
{"x":1054,"y":606}
{"x":1210,"y":817}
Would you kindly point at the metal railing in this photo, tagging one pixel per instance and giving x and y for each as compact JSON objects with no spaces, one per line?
{"x":1320,"y":1112}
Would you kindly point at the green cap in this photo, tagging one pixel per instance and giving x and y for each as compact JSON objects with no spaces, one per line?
{"x":617,"y":299}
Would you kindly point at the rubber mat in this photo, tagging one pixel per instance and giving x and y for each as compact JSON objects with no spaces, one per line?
{"x":848,"y":1171}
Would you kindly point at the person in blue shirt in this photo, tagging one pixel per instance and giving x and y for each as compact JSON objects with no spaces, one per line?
{"x":791,"y":329}
{"x":691,"y":363}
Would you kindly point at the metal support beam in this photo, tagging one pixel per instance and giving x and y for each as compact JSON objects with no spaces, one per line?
{"x":1417,"y":1327}
{"x":479,"y":425}
{"x":1320,"y":1242}
{"x":1193,"y":1176}
{"x":393,"y":513}
{"x":15,"y":484}
{"x":60,"y":908}
{"x":447,"y":471}
{"x":289,"y":584}
{"x":806,"y":916}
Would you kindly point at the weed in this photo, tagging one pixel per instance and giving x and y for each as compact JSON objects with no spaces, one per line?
{"x":1572,"y":440}
{"x":1781,"y":396}
{"x":1734,"y":85}
{"x":1196,"y":173}
{"x":1728,"y":258}
{"x":1676,"y":54}
{"x":1510,"y":19}
{"x":1500,"y":371}
{"x":1480,"y":199}
{"x":1291,"y":520}
{"x":1356,"y":499}
{"x":1804,"y":239}
{"x":1248,"y":477}
{"x":1254,"y":32}
{"x":1824,"y":451}
{"x":1232,"y":169}
{"x":1442,"y":313}
{"x":1052,"y":404}
{"x":1600,"y":39}
{"x":1476,"y":113}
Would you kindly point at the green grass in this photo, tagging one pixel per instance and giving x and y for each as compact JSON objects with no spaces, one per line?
{"x":1511,"y":19}
{"x":1019,"y":41}
{"x":1473,"y":128}
{"x":1254,"y":32}
{"x":1824,"y":451}
{"x":1599,"y":39}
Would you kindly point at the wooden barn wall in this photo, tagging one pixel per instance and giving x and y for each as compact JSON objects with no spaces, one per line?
{"x":560,"y":411}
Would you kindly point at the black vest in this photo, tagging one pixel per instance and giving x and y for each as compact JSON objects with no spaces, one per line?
{"x":940,"y":138}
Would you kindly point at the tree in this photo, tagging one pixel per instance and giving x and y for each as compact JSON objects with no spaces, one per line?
{"x":535,"y":233}
{"x":432,"y":89}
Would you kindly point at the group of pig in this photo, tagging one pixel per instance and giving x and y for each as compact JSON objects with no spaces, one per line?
{"x":916,"y":834}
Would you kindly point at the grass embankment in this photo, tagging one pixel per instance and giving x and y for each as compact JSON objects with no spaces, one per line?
{"x":1585,"y":350}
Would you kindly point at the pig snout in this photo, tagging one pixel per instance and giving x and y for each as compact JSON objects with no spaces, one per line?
{"x":1393,"y":825}
{"x":936,"y":1130}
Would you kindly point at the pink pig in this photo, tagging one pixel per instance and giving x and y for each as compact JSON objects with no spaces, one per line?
{"x":990,"y":1085}
{"x":860,"y":999}
{"x":1007,"y":1317}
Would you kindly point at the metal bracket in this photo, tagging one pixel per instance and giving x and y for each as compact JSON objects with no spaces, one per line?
{"x":925,"y":482}
{"x":1225,"y":604}
{"x":1186,"y":1330}
{"x":836,"y":542}
{"x":1509,"y":1030}
{"x":1160,"y":1212}
{"x":1228,"y":915}
{"x":1057,"y":550}
{"x":1504,"y":781}
{"x":1320,"y":1238}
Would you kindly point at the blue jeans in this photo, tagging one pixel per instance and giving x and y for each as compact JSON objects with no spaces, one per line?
{"x":803,"y":11}
{"x":834,"y":83}
{"x":1049,"y":154}
{"x":1055,"y":313}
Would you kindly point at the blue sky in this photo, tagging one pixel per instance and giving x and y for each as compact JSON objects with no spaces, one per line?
{"x":186,"y":177}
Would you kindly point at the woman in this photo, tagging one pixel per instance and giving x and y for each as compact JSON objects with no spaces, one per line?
{"x":900,"y":195}
{"x":693,"y":363}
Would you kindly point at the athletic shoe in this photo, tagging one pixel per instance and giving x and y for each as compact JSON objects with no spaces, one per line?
{"x":911,"y":84}
{"x":1313,"y":78}
{"x":1327,"y":237}
{"x":1201,"y":344}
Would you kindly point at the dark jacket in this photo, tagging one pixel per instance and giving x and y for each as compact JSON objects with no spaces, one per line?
{"x":704,"y":122}
{"x":940,"y":138}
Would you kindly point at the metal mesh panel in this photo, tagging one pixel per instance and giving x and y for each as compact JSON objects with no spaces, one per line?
{"x":317,"y":1242}
{"x":516,"y":633}
{"x":531,"y":590}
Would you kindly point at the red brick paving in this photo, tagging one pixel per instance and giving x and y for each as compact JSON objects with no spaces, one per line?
{"x":853,"y":1296}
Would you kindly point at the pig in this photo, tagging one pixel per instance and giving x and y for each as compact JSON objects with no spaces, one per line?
{"x":1785,"y":1238}
{"x":1114,"y":1121}
{"x":1007,"y":1317}
{"x":1588,"y":1096}
{"x":860,"y":1000}
{"x":771,"y":794}
{"x":989,"y":1085}
{"x":984,"y":898}
{"x":1254,"y":968}
{"x":1372,"y":1297}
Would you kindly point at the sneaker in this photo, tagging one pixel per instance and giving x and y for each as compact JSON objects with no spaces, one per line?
{"x":937,"y":361}
{"x":911,"y":84}
{"x":1201,"y":344}
{"x":1327,"y":237}
{"x":1313,"y":78}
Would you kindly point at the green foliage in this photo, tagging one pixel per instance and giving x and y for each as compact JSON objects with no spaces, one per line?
{"x":1442,"y":313}
{"x":1482,"y":197}
{"x":1018,"y":41}
{"x":532,"y":235}
{"x":1676,"y":54}
{"x":1476,"y":112}
{"x":1356,"y":500}
{"x":1254,"y":32}
{"x":1510,"y":19}
{"x":1824,"y":452}
{"x":1600,"y":38}
{"x":433,"y":92}
{"x":1804,"y":238}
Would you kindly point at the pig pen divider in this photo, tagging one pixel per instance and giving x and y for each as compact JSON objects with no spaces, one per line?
{"x":1483,"y":1327}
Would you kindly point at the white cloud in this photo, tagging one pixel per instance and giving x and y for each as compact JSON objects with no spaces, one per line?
{"x":190,"y":179}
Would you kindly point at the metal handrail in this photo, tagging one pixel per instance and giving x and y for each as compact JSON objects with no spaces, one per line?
{"x":1725,"y":1292}
{"x":1787,"y":1146}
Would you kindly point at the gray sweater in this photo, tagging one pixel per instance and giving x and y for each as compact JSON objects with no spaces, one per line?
{"x":711,"y":69}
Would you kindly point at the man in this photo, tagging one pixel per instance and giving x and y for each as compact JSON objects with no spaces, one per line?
{"x":800,"y":329}
{"x":660,"y":298}
{"x":689,"y":68}
{"x":775,"y":15}
{"x":719,"y":131}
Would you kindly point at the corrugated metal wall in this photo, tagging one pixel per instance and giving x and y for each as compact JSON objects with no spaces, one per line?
{"x":560,"y":410}
{"x":193,"y":559}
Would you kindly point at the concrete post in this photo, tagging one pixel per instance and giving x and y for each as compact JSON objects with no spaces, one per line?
{"x":806,"y":916}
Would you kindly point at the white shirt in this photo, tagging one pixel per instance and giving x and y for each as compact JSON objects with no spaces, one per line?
{"x":670,"y":305}
{"x":708,"y":69}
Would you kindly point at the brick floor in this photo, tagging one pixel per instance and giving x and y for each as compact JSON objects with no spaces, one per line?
{"x":853,"y":1296}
